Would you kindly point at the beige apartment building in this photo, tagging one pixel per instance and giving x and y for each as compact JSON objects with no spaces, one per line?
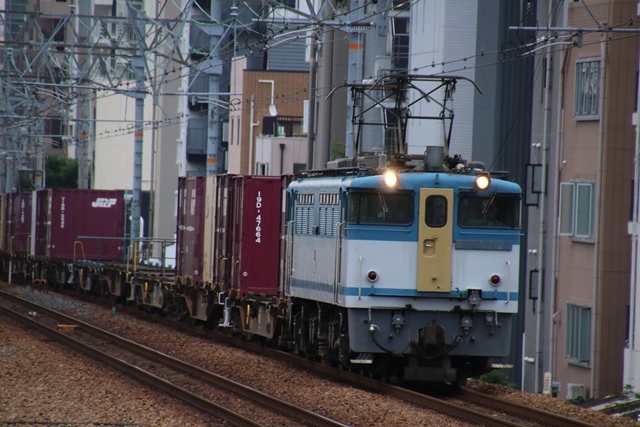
{"x":590,"y":293}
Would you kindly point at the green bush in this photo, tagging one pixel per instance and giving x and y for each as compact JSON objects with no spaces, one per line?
{"x":496,"y":377}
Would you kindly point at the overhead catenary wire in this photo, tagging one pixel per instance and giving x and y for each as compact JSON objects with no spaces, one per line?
{"x":119,"y":88}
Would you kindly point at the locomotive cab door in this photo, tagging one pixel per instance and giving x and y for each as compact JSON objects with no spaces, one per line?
{"x":435,"y":240}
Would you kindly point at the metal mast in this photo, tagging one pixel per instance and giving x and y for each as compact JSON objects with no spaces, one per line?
{"x":54,"y":64}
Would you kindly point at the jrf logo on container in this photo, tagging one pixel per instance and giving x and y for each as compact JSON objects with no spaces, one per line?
{"x":104,"y":202}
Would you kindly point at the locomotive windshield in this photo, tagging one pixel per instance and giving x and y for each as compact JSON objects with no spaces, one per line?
{"x":494,"y":211}
{"x":376,"y":207}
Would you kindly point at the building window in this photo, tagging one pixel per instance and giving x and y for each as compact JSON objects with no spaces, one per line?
{"x":400,"y":31}
{"x":578,"y":340}
{"x":576,"y":209}
{"x":587,"y":90}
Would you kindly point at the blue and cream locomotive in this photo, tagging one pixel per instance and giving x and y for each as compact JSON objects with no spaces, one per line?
{"x":409,"y":273}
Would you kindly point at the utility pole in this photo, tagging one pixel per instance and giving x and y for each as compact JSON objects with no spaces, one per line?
{"x":138,"y":24}
{"x":214,"y":69}
{"x":313,"y":74}
{"x":356,"y":64}
{"x":84,"y":128}
{"x":325,"y":82}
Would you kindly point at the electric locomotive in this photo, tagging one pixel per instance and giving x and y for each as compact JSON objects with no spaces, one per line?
{"x":405,"y":273}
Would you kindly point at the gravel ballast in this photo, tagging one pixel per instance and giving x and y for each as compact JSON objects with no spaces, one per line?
{"x":43,"y":381}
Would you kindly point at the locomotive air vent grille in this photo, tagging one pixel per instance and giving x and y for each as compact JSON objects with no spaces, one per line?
{"x":305,"y":198}
{"x":329,"y":199}
{"x":329,"y":217}
{"x":304,"y":220}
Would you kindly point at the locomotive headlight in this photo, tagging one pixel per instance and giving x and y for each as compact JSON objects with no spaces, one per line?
{"x":495,"y":280}
{"x":372,"y":275}
{"x":482,"y":181}
{"x":390,"y":178}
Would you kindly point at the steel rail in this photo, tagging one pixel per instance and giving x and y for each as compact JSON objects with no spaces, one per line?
{"x":419,"y":399}
{"x":135,"y":372}
{"x":520,"y":409}
{"x":271,"y":403}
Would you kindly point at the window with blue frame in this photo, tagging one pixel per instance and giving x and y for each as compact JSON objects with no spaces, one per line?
{"x":491,"y":211}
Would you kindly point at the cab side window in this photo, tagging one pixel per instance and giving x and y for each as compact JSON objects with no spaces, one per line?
{"x":377,"y":208}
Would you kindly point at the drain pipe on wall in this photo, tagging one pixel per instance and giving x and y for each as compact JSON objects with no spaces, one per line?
{"x":631,"y":340}
{"x":251,"y":126}
{"x":597,"y":269}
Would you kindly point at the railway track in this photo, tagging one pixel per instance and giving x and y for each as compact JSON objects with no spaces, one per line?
{"x":518,"y":411}
{"x":468,"y":405}
{"x":195,"y":386}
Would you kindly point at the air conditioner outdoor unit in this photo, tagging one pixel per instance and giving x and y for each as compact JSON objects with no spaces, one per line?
{"x":574,"y":391}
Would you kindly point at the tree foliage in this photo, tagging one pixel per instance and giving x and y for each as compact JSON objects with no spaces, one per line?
{"x":61,"y":172}
{"x":25,"y":183}
{"x":337,"y":150}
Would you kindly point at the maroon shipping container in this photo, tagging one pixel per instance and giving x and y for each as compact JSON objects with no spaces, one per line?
{"x":63,"y":215}
{"x":229,"y":232}
{"x":190,"y":239}
{"x":256,"y":202}
{"x":17,"y":236}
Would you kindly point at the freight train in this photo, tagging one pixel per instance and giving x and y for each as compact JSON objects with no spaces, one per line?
{"x":400,"y":266}
{"x":407,"y":271}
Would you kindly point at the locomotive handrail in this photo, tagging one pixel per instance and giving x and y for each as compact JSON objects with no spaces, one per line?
{"x":360,"y":278}
{"x":508,"y":282}
{"x":337,"y":267}
{"x":289,"y":255}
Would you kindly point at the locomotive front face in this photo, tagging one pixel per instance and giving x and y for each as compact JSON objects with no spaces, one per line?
{"x":426,"y":268}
